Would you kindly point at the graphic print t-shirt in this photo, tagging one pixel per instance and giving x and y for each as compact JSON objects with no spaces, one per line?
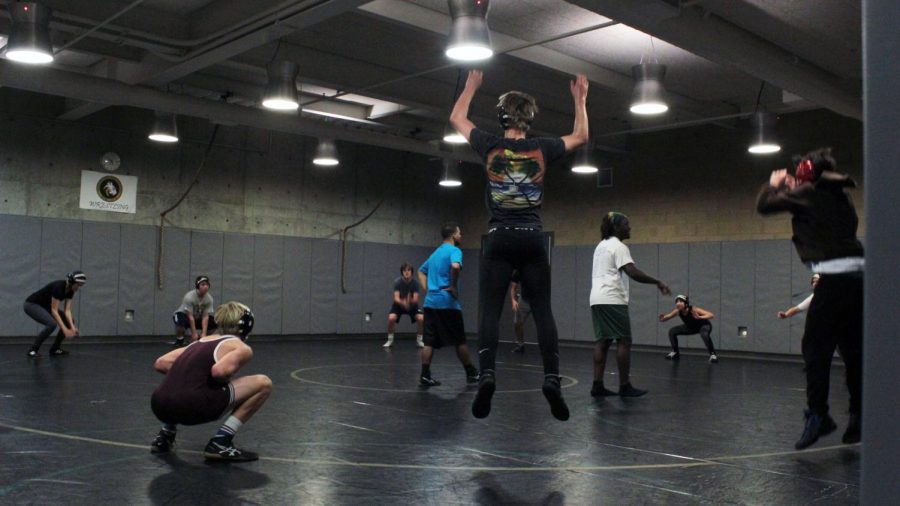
{"x":515,"y":176}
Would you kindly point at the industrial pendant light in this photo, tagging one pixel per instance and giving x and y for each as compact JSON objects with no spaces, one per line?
{"x":649,"y":94}
{"x":326,"y":153}
{"x":764,"y":141}
{"x":451,"y":136}
{"x":584,"y":162}
{"x":450,"y":178}
{"x":165,"y":128}
{"x":29,"y":38}
{"x":470,"y":38}
{"x":281,"y":91}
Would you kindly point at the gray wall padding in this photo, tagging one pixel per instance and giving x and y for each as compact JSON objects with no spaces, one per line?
{"x":238,"y":254}
{"x":207,"y":255}
{"x":468,"y":286}
{"x":293,"y":284}
{"x":61,"y":253}
{"x":350,"y":317}
{"x":738,"y":280}
{"x":324,"y":286}
{"x":99,"y":297}
{"x":296,"y":283}
{"x":800,"y":289}
{"x":705,"y":270}
{"x":772,"y":286}
{"x":137,"y":275}
{"x":584,"y":259}
{"x":21,"y":275}
{"x":268,"y":271}
{"x":562,"y":286}
{"x":674,"y":270}
{"x":644,"y":302}
{"x":380,"y":271}
{"x":176,"y":278}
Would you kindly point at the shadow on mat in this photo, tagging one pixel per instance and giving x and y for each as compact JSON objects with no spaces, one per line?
{"x":204,"y":483}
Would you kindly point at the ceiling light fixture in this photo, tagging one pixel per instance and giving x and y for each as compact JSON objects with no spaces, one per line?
{"x":451,"y":136}
{"x":764,"y":142}
{"x":584,"y":162}
{"x":470,"y":37}
{"x":281,"y":91}
{"x":649,"y":94}
{"x":29,"y":38}
{"x":165,"y":128}
{"x":326,"y":153}
{"x":450,"y":177}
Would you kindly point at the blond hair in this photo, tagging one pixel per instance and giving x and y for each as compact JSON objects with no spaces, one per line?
{"x":228,"y":315}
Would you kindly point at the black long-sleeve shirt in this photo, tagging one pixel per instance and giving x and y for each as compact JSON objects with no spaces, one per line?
{"x":824,"y":220}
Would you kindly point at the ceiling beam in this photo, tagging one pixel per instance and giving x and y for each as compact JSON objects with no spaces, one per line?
{"x":109,"y":92}
{"x":724,"y":43}
{"x":157,"y":72}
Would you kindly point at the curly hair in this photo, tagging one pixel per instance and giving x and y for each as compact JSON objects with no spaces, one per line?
{"x":519,"y":107}
{"x":610,"y":223}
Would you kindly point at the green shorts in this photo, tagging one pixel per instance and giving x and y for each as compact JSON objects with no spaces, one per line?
{"x":611,"y":321}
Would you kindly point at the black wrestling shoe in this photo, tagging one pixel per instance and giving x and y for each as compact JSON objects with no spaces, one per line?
{"x":520,"y":348}
{"x":428,"y":381}
{"x":481,"y":406}
{"x":32,"y":353}
{"x":627,"y":390}
{"x":673,"y":355}
{"x":178,"y":343}
{"x":58,"y":352}
{"x":553,"y":393}
{"x":854,"y":430}
{"x":226,"y":451}
{"x":472,"y":376}
{"x":816,"y":426}
{"x":163,"y":443}
{"x":598,"y":390}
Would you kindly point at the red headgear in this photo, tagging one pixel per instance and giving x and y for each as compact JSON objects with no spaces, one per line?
{"x":805,"y":173}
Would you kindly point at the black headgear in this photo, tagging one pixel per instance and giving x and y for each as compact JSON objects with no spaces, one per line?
{"x":76,"y":277}
{"x":506,"y":120}
{"x":245,"y":324}
{"x":200,"y":279}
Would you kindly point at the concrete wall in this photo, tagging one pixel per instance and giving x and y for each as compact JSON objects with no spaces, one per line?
{"x":690,"y":184}
{"x":253,"y":182}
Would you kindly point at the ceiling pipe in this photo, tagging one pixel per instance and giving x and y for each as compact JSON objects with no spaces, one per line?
{"x":114,"y":93}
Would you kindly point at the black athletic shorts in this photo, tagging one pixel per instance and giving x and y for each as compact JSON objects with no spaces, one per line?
{"x":181,"y":320}
{"x":444,"y":327}
{"x":398,"y":310}
{"x":192,"y":407}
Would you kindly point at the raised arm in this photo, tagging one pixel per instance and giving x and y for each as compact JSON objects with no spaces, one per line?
{"x":641,"y":277}
{"x":579,"y":135}
{"x":459,"y":116}
{"x":776,"y":197}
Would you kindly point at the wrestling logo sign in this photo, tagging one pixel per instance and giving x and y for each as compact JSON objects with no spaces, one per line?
{"x":104,"y":192}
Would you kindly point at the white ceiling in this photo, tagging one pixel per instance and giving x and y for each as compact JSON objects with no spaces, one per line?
{"x":392,"y":51}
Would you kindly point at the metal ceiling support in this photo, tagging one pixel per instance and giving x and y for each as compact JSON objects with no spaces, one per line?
{"x":427,"y":19}
{"x":722,"y":42}
{"x":114,"y":93}
{"x":207,"y":57}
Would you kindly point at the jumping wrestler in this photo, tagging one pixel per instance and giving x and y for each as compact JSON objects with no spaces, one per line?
{"x":515,"y":167}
